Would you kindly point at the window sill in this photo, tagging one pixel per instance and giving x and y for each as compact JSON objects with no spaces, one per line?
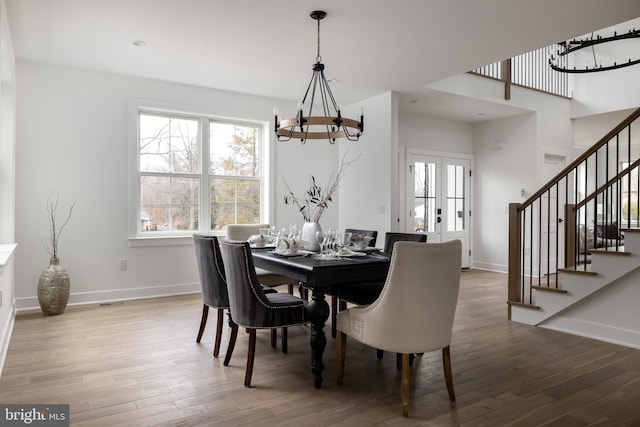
{"x":6,"y":251}
{"x":165,"y":240}
{"x":142,"y":242}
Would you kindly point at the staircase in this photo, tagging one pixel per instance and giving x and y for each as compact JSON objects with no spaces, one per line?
{"x":556,"y":279}
{"x":607,"y":268}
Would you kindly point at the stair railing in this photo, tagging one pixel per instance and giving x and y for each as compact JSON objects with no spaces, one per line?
{"x":582,"y":208}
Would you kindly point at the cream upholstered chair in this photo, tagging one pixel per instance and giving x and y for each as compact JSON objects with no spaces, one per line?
{"x":415,"y":311}
{"x":241,"y":233}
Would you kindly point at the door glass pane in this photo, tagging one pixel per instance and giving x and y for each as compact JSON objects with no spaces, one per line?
{"x":455,"y":198}
{"x":424,"y":197}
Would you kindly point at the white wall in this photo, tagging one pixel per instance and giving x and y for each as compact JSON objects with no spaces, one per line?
{"x":72,"y":135}
{"x":606,"y":91}
{"x":431,"y":133}
{"x":499,"y":176}
{"x":366,"y":196}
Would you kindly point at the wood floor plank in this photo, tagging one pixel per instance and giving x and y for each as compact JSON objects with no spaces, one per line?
{"x":137,"y":363}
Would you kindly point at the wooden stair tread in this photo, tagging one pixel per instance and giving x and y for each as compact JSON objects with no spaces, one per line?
{"x":574,"y":271}
{"x":608,"y":252}
{"x":523,"y":304}
{"x":631,"y":230}
{"x":547,"y":289}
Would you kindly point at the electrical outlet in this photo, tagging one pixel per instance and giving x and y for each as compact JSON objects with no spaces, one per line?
{"x":123,"y":264}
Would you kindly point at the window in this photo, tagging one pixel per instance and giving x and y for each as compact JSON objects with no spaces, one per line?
{"x":197,"y":173}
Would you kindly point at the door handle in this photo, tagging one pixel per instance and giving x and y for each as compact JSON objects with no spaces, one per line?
{"x":560,"y":220}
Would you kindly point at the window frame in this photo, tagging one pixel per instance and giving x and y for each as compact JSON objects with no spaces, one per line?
{"x":137,"y":237}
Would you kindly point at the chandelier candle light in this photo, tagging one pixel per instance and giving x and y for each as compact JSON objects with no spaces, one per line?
{"x":571,"y":46}
{"x":331,"y":124}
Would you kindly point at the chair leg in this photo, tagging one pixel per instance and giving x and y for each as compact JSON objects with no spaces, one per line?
{"x":448,"y":377}
{"x":405,"y":385}
{"x":290,"y":288}
{"x":342,"y":347}
{"x":232,"y":342}
{"x":285,"y":344}
{"x":203,"y":321}
{"x":274,"y":338}
{"x":250,"y":356}
{"x":216,"y":346}
{"x":380,"y":354}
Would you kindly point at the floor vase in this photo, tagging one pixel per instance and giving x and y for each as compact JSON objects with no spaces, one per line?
{"x":53,"y":288}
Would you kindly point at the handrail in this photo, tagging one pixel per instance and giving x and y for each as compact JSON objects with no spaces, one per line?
{"x":626,"y":122}
{"x":594,"y":192}
{"x":608,"y":184}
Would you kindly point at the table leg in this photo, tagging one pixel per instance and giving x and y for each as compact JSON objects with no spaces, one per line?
{"x":318,"y":310}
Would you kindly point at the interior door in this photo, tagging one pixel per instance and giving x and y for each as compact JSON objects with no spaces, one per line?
{"x":438,"y":199}
{"x":552,"y":249}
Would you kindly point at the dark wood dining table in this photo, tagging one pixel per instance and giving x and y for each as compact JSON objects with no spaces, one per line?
{"x":319,"y":274}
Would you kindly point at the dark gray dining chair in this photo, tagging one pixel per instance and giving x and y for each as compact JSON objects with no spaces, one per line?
{"x":213,"y":287}
{"x":250,"y":307}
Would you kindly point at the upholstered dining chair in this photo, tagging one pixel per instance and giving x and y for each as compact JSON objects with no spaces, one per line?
{"x":367,"y":292}
{"x":415,"y":311}
{"x":213,"y":287}
{"x":250,"y":307}
{"x":333,"y":292}
{"x":241,"y":233}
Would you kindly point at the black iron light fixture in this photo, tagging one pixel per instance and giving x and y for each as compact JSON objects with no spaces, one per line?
{"x":559,"y":61}
{"x":330,"y":124}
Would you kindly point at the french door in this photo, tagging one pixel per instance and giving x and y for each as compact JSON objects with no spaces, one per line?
{"x":438,"y":202}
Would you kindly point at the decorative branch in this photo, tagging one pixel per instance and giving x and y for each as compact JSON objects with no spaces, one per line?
{"x":51,"y":243}
{"x":314,"y":202}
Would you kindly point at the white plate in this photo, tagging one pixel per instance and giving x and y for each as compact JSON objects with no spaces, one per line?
{"x":271,"y":246}
{"x":292,"y":254}
{"x":351,"y":254}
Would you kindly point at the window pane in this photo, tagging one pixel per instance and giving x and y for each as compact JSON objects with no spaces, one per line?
{"x":425,"y":218}
{"x":235,"y":149}
{"x":168,"y":144}
{"x":234,"y":201}
{"x":169,"y":204}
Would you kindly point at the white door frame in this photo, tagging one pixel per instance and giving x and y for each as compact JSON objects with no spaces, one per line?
{"x":403,"y":173}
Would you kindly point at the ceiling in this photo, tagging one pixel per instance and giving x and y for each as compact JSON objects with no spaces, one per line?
{"x":268,"y":47}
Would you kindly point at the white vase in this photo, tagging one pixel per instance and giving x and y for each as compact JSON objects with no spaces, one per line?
{"x":308,"y":234}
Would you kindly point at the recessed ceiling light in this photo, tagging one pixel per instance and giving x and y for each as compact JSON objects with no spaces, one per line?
{"x":413,"y":101}
{"x":479,"y":114}
{"x":332,"y":80}
{"x":139,"y":43}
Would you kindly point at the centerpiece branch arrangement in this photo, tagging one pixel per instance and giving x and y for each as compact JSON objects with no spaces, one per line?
{"x":315,"y":200}
{"x":51,"y":243}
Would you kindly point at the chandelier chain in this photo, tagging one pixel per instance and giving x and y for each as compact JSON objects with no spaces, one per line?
{"x":318,"y":57}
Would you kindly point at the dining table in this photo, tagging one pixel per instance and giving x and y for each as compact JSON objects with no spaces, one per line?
{"x":319,"y":273}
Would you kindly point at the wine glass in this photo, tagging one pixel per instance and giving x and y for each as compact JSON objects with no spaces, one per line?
{"x":320,"y":238}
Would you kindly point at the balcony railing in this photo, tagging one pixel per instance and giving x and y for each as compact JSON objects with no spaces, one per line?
{"x":530,"y":70}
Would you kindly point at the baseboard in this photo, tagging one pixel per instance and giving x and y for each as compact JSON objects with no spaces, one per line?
{"x":101,"y":297}
{"x":6,"y":338}
{"x":596,"y":331}
{"x":497,"y":268}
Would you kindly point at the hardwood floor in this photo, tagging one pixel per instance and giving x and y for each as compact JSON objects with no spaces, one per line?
{"x":137,"y":363}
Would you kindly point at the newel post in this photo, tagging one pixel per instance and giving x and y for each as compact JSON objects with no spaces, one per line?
{"x":515,"y":260}
{"x":569,"y":235}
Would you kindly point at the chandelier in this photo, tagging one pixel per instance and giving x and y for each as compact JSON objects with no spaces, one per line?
{"x":559,"y":61}
{"x":330,"y":124}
